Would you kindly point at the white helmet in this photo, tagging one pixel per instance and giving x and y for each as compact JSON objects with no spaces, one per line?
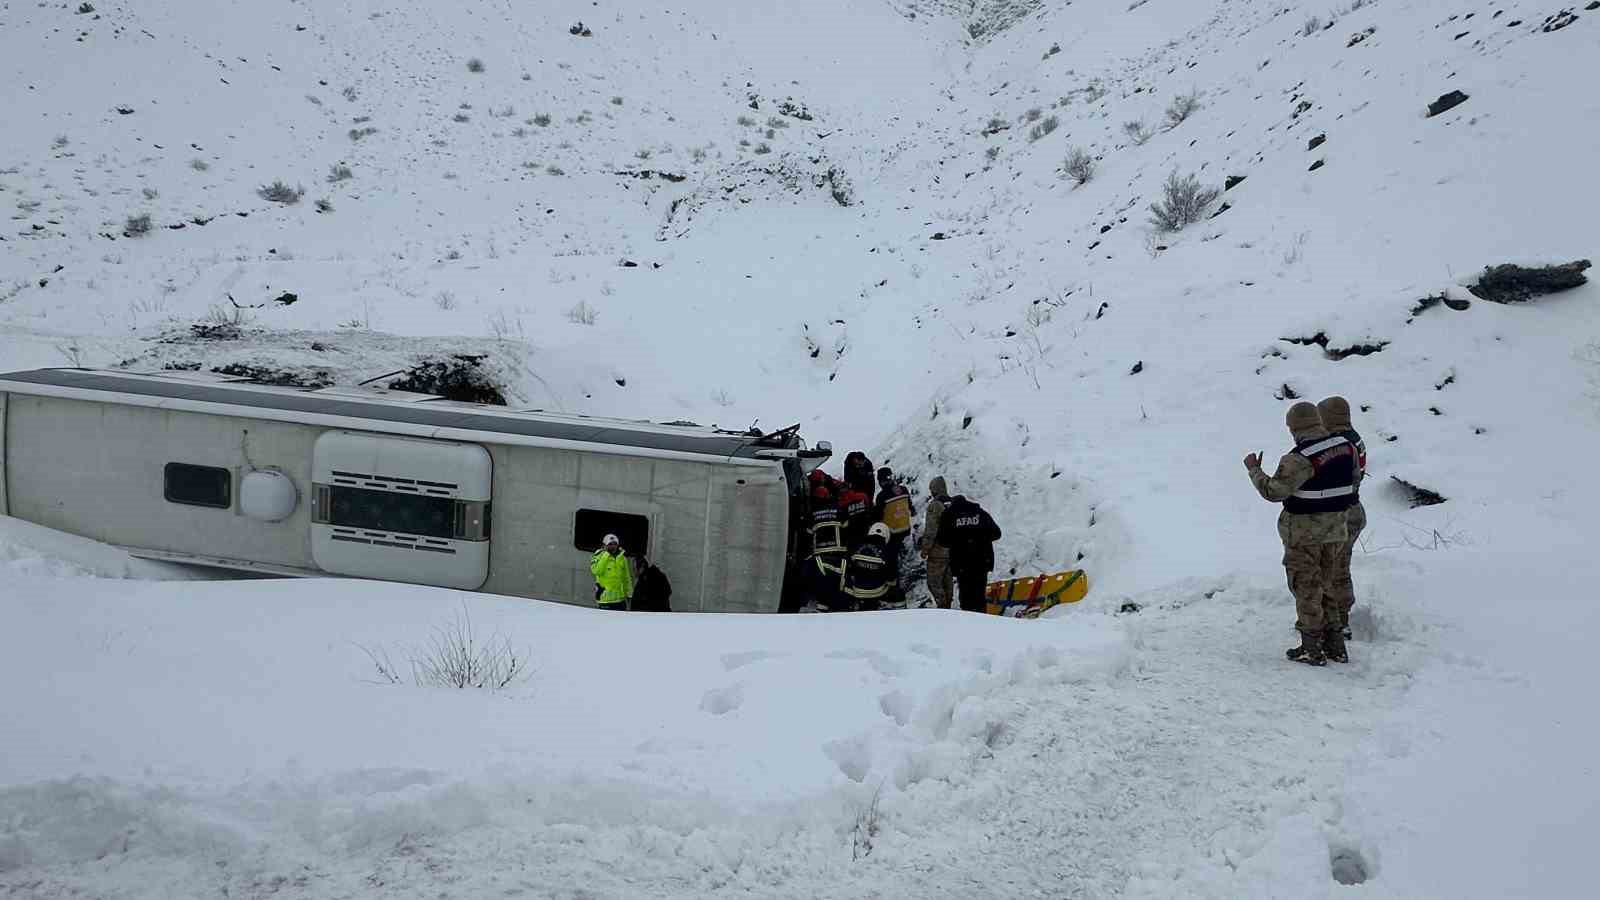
{"x":609,"y":539}
{"x":879,"y":530}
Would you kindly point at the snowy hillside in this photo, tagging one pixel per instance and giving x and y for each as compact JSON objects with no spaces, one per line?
{"x":858,"y":216}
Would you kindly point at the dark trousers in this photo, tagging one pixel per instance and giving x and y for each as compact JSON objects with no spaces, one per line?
{"x":621,"y":605}
{"x":971,"y":585}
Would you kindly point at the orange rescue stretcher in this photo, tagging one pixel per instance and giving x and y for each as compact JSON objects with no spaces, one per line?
{"x":1026,"y":598}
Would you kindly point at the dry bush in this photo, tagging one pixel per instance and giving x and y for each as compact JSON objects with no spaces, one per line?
{"x":1183,"y":202}
{"x":1079,"y":165}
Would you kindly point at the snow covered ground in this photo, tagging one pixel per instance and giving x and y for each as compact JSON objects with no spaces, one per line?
{"x":906,"y":271}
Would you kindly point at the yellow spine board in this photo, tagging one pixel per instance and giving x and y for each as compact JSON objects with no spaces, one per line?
{"x":1028,"y":597}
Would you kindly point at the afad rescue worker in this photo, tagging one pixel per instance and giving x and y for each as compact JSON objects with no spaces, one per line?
{"x":825,"y":568}
{"x":1315,"y":482}
{"x":969,"y":532}
{"x":612,"y":575}
{"x":856,"y":513}
{"x":869,"y":574}
{"x":1335,"y":413}
{"x":940,"y":585}
{"x":858,"y":471}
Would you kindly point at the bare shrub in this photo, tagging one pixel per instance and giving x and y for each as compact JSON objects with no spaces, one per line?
{"x":454,"y":657}
{"x":137,"y":226}
{"x":762,"y":148}
{"x":642,"y":153}
{"x":616,"y":101}
{"x":583,"y":314}
{"x":85,"y":8}
{"x":445,"y":300}
{"x":461,"y":117}
{"x":1137,"y":131}
{"x":746,"y":121}
{"x":150,"y":193}
{"x":554,"y":170}
{"x":697,"y":154}
{"x":542,"y":120}
{"x":992,"y":154}
{"x":349,"y":93}
{"x":60,"y":142}
{"x":357,"y":134}
{"x":1038,"y":131}
{"x":1182,"y":107}
{"x":1079,"y":165}
{"x":1183,"y":202}
{"x":279,"y":192}
{"x":475,"y":66}
{"x":339,"y":172}
{"x":199,"y":165}
{"x":1033,"y":115}
{"x":995,"y":125}
{"x":1311,"y":26}
{"x":324,"y":205}
{"x":867,"y":825}
{"x":777,"y":122}
{"x":519,"y":132}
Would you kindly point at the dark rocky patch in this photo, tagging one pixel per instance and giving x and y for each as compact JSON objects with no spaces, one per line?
{"x":1348,"y":866}
{"x":1360,"y":36}
{"x":1220,"y":210}
{"x":287,"y":298}
{"x":1127,"y":608}
{"x":1287,"y":393}
{"x":1137,"y":368}
{"x":1232,"y":181}
{"x":1519,"y":284}
{"x":1416,"y":495}
{"x":1317,"y":165}
{"x":455,"y":377}
{"x":1446,"y":102}
{"x":966,"y":422}
{"x":282,"y":377}
{"x":1558,"y":21}
{"x":1337,"y":353}
{"x":1317,"y":141}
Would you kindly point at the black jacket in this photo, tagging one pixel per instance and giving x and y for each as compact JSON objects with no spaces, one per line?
{"x":652,"y":592}
{"x":970,"y":532}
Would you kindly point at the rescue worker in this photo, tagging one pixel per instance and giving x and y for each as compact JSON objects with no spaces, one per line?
{"x":940,"y":585}
{"x":969,"y":532}
{"x":1335,"y":413}
{"x":894,"y":510}
{"x":825,"y":567}
{"x":868,"y":573}
{"x":1315,"y":482}
{"x":652,"y":592}
{"x":856,"y":513}
{"x":612,"y":575}
{"x":858,"y":471}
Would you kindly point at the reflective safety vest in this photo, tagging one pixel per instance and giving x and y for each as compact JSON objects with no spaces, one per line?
{"x":1332,"y":486}
{"x":827,"y":532}
{"x":866,"y":573}
{"x":897,"y":514}
{"x":1354,"y":437}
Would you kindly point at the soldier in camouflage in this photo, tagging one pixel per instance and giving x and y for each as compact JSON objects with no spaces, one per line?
{"x":1335,"y":412}
{"x":1315,"y":482}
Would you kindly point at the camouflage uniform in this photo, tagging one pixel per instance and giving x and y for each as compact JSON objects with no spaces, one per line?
{"x":1311,"y":541}
{"x":1335,"y":413}
{"x":941,"y":584}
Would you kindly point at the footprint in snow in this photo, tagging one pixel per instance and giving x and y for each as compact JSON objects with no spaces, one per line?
{"x":731,"y":661}
{"x":724,"y":700}
{"x":883,"y":665}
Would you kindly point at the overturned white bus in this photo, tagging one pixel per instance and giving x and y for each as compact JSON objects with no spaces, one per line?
{"x":217,"y":471}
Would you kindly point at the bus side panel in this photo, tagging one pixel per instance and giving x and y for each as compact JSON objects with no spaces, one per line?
{"x":5,"y":507}
{"x":749,"y":527}
{"x":98,"y":470}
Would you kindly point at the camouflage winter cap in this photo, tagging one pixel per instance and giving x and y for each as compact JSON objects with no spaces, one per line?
{"x":1335,"y":413}
{"x":936,"y":487}
{"x":1303,"y":416}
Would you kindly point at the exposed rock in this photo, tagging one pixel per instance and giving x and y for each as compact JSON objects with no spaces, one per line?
{"x":1360,"y":36}
{"x":1232,"y":181}
{"x":1446,"y":102}
{"x":1137,"y":368}
{"x":1317,"y":165}
{"x":1517,"y":284}
{"x":1558,"y":21}
{"x":1221,"y":209}
{"x":283,"y":377}
{"x":1317,"y":141}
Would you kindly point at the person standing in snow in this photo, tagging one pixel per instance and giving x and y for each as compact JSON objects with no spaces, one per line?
{"x":652,"y":592}
{"x":613,"y":575}
{"x":1335,"y":413}
{"x":968,"y":531}
{"x":1315,"y":482}
{"x":856,"y":512}
{"x":940,"y":585}
{"x":825,"y":567}
{"x":858,"y":472}
{"x":893,"y":508}
{"x":869,"y":573}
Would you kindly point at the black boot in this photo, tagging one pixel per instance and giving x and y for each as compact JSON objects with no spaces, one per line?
{"x":1309,"y":651}
{"x":1333,"y":645}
